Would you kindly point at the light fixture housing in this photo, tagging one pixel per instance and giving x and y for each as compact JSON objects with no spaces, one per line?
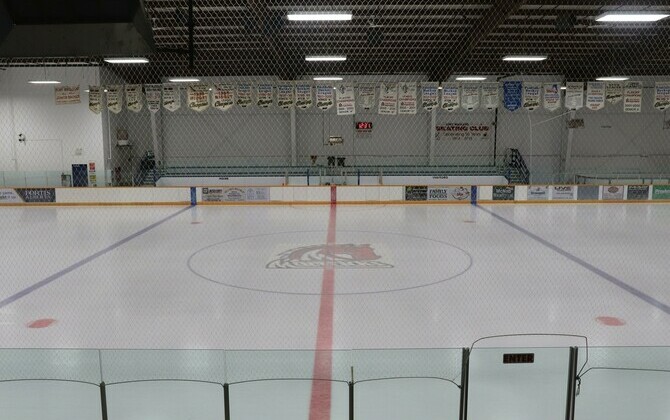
{"x":327,"y":79}
{"x":183,"y":79}
{"x":471,"y":78}
{"x":612,"y":79}
{"x":525,"y":58}
{"x":315,"y":17}
{"x":326,"y":58}
{"x":44,"y":82}
{"x":126,"y":60}
{"x":631,"y":17}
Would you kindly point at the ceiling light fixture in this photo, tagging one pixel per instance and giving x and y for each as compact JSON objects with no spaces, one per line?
{"x":183,"y":79}
{"x":524,"y":58}
{"x":631,"y":17}
{"x":612,"y":79}
{"x":127,"y":60}
{"x":319,"y":16}
{"x":326,"y":58}
{"x":327,"y":78}
{"x":44,"y":82}
{"x":471,"y":78}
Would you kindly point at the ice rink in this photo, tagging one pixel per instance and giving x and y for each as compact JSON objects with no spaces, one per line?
{"x":345,"y":277}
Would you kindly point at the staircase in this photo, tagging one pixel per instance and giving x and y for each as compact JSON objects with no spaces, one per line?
{"x":515,"y":170}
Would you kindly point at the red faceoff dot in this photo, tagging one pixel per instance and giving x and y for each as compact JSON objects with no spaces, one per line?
{"x":42,"y":323}
{"x":610,"y":321}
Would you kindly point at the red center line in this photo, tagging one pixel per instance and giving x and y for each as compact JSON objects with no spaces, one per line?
{"x":319,"y":408}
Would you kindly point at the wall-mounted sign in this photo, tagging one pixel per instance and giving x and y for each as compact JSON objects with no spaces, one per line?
{"x":364,"y":126}
{"x":516,"y":358}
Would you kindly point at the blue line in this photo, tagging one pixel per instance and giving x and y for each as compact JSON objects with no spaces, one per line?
{"x":85,"y":261}
{"x":610,"y":278}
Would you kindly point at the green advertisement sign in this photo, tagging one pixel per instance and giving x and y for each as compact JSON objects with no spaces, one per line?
{"x":661,"y":192}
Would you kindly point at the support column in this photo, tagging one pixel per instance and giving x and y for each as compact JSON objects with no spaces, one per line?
{"x":572,"y":384}
{"x":431,"y":149}
{"x":465,"y":378}
{"x":567,"y":165}
{"x":294,"y":139}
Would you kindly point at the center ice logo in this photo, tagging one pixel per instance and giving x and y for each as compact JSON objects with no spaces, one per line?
{"x":342,"y":256}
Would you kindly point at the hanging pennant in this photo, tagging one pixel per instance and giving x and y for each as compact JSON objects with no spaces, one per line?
{"x":303,"y":94}
{"x":134,"y":97}
{"x":223,"y":96}
{"x":244,"y":94}
{"x":595,"y":95}
{"x":662,"y":96}
{"x":512,"y":95}
{"x":490,"y":95}
{"x":366,"y":96}
{"x":470,"y":97}
{"x":451,"y":96}
{"x":552,"y":96}
{"x":198,"y":96}
{"x":531,"y":95}
{"x":614,"y":92}
{"x":388,"y":98}
{"x":632,"y":97}
{"x":264,"y":95}
{"x":574,"y":95}
{"x":171,"y":97}
{"x":152,"y":94}
{"x":114,"y":98}
{"x":95,"y":99}
{"x":429,"y":95}
{"x":324,"y":97}
{"x":285,"y":95}
{"x":407,"y":98}
{"x":346,"y":101}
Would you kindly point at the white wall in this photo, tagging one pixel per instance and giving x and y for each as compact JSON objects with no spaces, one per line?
{"x":54,"y":134}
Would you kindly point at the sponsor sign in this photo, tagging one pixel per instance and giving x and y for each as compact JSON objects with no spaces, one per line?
{"x":198,"y":96}
{"x":563,"y":192}
{"x":662,"y":96}
{"x":114,"y":99}
{"x":236,"y":194}
{"x":462,"y":131}
{"x":324,"y":97}
{"x":470,"y":99}
{"x":316,"y":256}
{"x":37,"y":195}
{"x":8,"y":195}
{"x":661,"y":192}
{"x":407,"y":98}
{"x":429,"y":95}
{"x":95,"y":99}
{"x":285,"y":95}
{"x":92,"y":176}
{"x":574,"y":95}
{"x":448,"y":194}
{"x":153,"y":97}
{"x":366,"y":96}
{"x":503,"y":192}
{"x":552,"y":96}
{"x":66,"y":95}
{"x":224,"y":96}
{"x":451,"y":96}
{"x":531,"y":95}
{"x":595,"y":95}
{"x":244,"y":95}
{"x":346,"y":100}
{"x":538,"y":192}
{"x":512,"y":95}
{"x":303,"y":95}
{"x":490,"y":95}
{"x":171,"y":97}
{"x":416,"y":193}
{"x":588,"y":192}
{"x":134,"y":97}
{"x":614,"y":92}
{"x":264,"y":95}
{"x":613,"y":192}
{"x":388,"y":99}
{"x":638,"y":193}
{"x":632,"y":97}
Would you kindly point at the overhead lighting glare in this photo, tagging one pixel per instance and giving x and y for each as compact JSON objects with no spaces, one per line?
{"x":326,"y":58}
{"x":471,"y":78}
{"x":631,"y":17}
{"x":564,"y":88}
{"x":612,"y":79}
{"x":44,"y":82}
{"x":319,"y":16}
{"x":183,"y":79}
{"x":327,"y":79}
{"x":524,"y":58}
{"x":127,"y":60}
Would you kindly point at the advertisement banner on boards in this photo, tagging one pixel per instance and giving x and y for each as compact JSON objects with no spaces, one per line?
{"x":236,"y":194}
{"x":416,"y":193}
{"x":503,"y":192}
{"x":613,"y":192}
{"x":538,"y":192}
{"x":32,"y":195}
{"x":638,"y":193}
{"x":562,"y":192}
{"x":588,"y":192}
{"x":448,"y":194}
{"x":407,"y":98}
{"x":463,"y":131}
{"x":9,"y":195}
{"x":661,"y":192}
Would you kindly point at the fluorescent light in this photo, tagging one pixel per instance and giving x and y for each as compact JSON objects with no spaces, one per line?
{"x":564,"y":88}
{"x":127,"y":60}
{"x":44,"y":82}
{"x":524,"y":58}
{"x":471,"y":78}
{"x":631,"y":17}
{"x":326,"y":58}
{"x":327,"y":78}
{"x":612,"y":79}
{"x":183,"y":79}
{"x":319,"y":16}
{"x":439,"y":88}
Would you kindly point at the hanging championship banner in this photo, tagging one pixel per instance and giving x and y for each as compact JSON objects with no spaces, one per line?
{"x":171,"y":97}
{"x":198,"y":96}
{"x":223,"y":96}
{"x":244,"y":95}
{"x":153,"y":97}
{"x":407,"y":97}
{"x":114,"y":98}
{"x":512,"y":95}
{"x":552,"y":96}
{"x":303,"y":95}
{"x":470,"y":100}
{"x":429,"y":95}
{"x":134,"y":97}
{"x":595,"y":95}
{"x":574,"y":95}
{"x":531,"y":95}
{"x":451,"y":96}
{"x":366,"y":96}
{"x":346,"y":101}
{"x":632,"y":97}
{"x":614,"y":92}
{"x":388,"y":98}
{"x":662,"y":96}
{"x":67,"y":95}
{"x":285,"y":95}
{"x":490,"y":95}
{"x":95,"y":99}
{"x":264,"y":95}
{"x":324,"y":97}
